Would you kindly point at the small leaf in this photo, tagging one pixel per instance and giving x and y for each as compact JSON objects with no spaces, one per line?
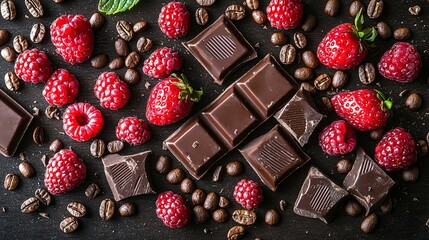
{"x":115,"y":6}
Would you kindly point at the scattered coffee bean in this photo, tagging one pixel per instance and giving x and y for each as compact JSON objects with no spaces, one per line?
{"x":163,"y":164}
{"x":37,"y":33}
{"x":287,"y":54}
{"x":344,"y":166}
{"x":121,"y":47}
{"x":187,"y":186}
{"x":413,"y":101}
{"x":211,"y":201}
{"x":76,"y":209}
{"x":97,"y":148}
{"x":200,"y":214}
{"x":352,"y":208}
{"x":401,"y":34}
{"x":234,"y":168}
{"x":92,"y":191}
{"x":235,"y":12}
{"x":97,"y":20}
{"x":367,"y":73}
{"x":205,"y":3}
{"x":56,"y":146}
{"x":278,"y":38}
{"x":332,"y":7}
{"x":310,"y":59}
{"x":8,"y":10}
{"x":309,"y":88}
{"x":244,"y":217}
{"x":236,"y":233}
{"x":340,"y":79}
{"x":52,"y":112}
{"x":99,"y":61}
{"x":175,"y":176}
{"x":132,"y":60}
{"x":201,"y":16}
{"x":272,"y":217}
{"x":127,"y":209}
{"x":35,"y":8}
{"x":323,"y":82}
{"x":369,"y":223}
{"x":387,"y":206}
{"x":117,"y":63}
{"x":198,"y":197}
{"x":8,"y":54}
{"x":327,"y":104}
{"x":304,"y":74}
{"x":30,"y":205}
{"x":144,"y":44}
{"x":415,"y":10}
{"x":20,"y":44}
{"x":107,"y":209}
{"x":259,"y":17}
{"x":12,"y":81}
{"x":300,"y":40}
{"x":309,"y":23}
{"x":125,"y":30}
{"x":217,"y":174}
{"x":355,"y":6}
{"x":132,"y":76}
{"x":69,"y":225}
{"x":252,"y":4}
{"x":220,"y":215}
{"x":26,"y":169}
{"x":39,"y":135}
{"x":11,"y":182}
{"x":4,"y":36}
{"x":115,"y":146}
{"x":411,"y":174}
{"x":384,"y":30}
{"x":140,"y":27}
{"x":423,"y":148}
{"x":43,"y":196}
{"x":375,"y":8}
{"x":223,"y":202}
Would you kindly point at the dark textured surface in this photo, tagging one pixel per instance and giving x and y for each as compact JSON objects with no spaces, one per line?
{"x":407,"y":220}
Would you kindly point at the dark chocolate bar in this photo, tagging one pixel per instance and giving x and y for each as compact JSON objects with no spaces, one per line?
{"x":221,"y":49}
{"x":274,"y":156}
{"x":319,"y":197}
{"x":15,"y":121}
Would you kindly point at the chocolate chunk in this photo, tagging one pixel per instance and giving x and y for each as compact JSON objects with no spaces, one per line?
{"x":319,"y":197}
{"x":128,"y":175}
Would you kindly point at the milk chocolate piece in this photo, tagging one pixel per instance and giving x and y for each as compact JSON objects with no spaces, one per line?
{"x":128,"y":175}
{"x":14,"y":120}
{"x":274,"y":156}
{"x":300,"y":116}
{"x":319,"y":197}
{"x":367,"y":182}
{"x":221,"y":49}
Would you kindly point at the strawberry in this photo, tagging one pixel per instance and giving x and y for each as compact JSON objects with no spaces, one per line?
{"x":345,"y":46}
{"x":364,"y":109}
{"x":171,"y":100}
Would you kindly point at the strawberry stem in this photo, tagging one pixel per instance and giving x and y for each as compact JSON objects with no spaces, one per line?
{"x":187,"y":92}
{"x":386,"y":102}
{"x":368,"y":35}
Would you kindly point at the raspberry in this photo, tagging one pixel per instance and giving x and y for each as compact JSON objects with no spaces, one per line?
{"x":338,"y":138}
{"x":396,"y":150}
{"x":61,"y":88}
{"x":64,"y":172}
{"x":133,"y":131}
{"x":172,"y":210}
{"x":33,"y":66}
{"x":73,"y":38}
{"x":174,"y":20}
{"x":112,"y":91}
{"x":82,"y":121}
{"x":162,"y":63}
{"x":285,"y":14}
{"x":401,"y":63}
{"x":248,"y":194}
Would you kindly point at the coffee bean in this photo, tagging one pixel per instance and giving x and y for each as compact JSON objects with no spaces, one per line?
{"x":200,"y":214}
{"x":99,"y":61}
{"x":92,"y":191}
{"x":4,"y":37}
{"x":236,"y":233}
{"x":369,"y":223}
{"x":175,"y":176}
{"x":35,"y":8}
{"x":198,"y":197}
{"x":413,"y":101}
{"x":344,"y":166}
{"x":304,"y":74}
{"x":20,"y":44}
{"x":117,"y":63}
{"x":309,"y":23}
{"x":272,"y":217}
{"x":187,"y":186}
{"x":140,"y":27}
{"x":144,"y":44}
{"x":259,"y":17}
{"x":235,"y":12}
{"x":223,"y":202}
{"x":367,"y":73}
{"x":327,"y":104}
{"x":401,"y":34}
{"x":69,"y":225}
{"x":11,"y":182}
{"x":205,"y":3}
{"x":287,"y":54}
{"x":43,"y":196}
{"x":355,"y":7}
{"x":127,"y":209}
{"x":211,"y":201}
{"x":415,"y":10}
{"x":234,"y":168}
{"x":384,"y":30}
{"x":37,"y":33}
{"x":97,"y":20}
{"x":201,"y":16}
{"x":323,"y":82}
{"x":56,"y":146}
{"x":252,"y":4}
{"x":39,"y":135}
{"x":30,"y":205}
{"x":76,"y":209}
{"x":125,"y":30}
{"x":115,"y":146}
{"x":376,"y":134}
{"x":107,"y":209}
{"x":26,"y":169}
{"x":8,"y":54}
{"x":132,"y":76}
{"x":411,"y":174}
{"x":220,"y":215}
{"x":132,"y":60}
{"x":278,"y":38}
{"x":309,"y":88}
{"x":300,"y":40}
{"x":163,"y":164}
{"x":8,"y":10}
{"x":332,"y":7}
{"x":387,"y":206}
{"x":97,"y":148}
{"x":310,"y":59}
{"x":340,"y":79}
{"x":52,"y":112}
{"x":352,"y":208}
{"x":375,"y":8}
{"x":12,"y":81}
{"x":422,"y":148}
{"x":244,"y":217}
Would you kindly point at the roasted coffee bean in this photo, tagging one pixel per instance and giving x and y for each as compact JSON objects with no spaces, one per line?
{"x":99,"y":61}
{"x":309,"y":88}
{"x":30,"y":205}
{"x":422,"y":148}
{"x":369,"y":223}
{"x":187,"y":185}
{"x":69,"y":225}
{"x":8,"y":10}
{"x":259,"y":17}
{"x":272,"y":217}
{"x":252,"y":4}
{"x":125,"y":30}
{"x":140,"y":27}
{"x":76,"y":209}
{"x":220,"y":215}
{"x":115,"y":146}
{"x":12,"y":81}
{"x":11,"y":182}
{"x":132,"y":76}
{"x":223,"y":202}
{"x":116,"y":63}
{"x":92,"y":191}
{"x":401,"y":34}
{"x":107,"y":209}
{"x":413,"y":101}
{"x":352,"y":208}
{"x":283,"y":205}
{"x":244,"y":217}
{"x":35,"y":8}
{"x":8,"y":54}
{"x":304,"y":74}
{"x":234,"y":168}
{"x":175,"y":176}
{"x":37,"y":33}
{"x":127,"y":209}
{"x":340,"y":79}
{"x":163,"y":164}
{"x":278,"y":38}
{"x":20,"y":44}
{"x":327,"y":105}
{"x":211,"y":201}
{"x":415,"y":10}
{"x":411,"y":174}
{"x":121,"y":47}
{"x":97,"y":148}
{"x":387,"y":206}
{"x":355,"y":7}
{"x":323,"y":82}
{"x":205,"y":3}
{"x":236,"y":233}
{"x":132,"y":60}
{"x":43,"y":196}
{"x":367,"y":73}
{"x":287,"y":54}
{"x":97,"y":20}
{"x":376,"y":134}
{"x":56,"y":146}
{"x":198,"y":197}
{"x":4,"y":37}
{"x":300,"y":40}
{"x":332,"y":7}
{"x":310,"y":59}
{"x":235,"y":12}
{"x":201,"y":16}
{"x":309,"y":23}
{"x":200,"y":214}
{"x":26,"y":169}
{"x":39,"y":135}
{"x":375,"y":8}
{"x":52,"y":112}
{"x":384,"y":30}
{"x":144,"y":44}
{"x":344,"y":166}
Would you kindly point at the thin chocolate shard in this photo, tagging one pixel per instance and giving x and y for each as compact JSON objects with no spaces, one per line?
{"x":319,"y":196}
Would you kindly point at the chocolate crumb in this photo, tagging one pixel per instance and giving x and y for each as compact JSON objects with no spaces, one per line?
{"x":44,"y":215}
{"x":217,"y":173}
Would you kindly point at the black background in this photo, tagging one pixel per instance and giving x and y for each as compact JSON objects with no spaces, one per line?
{"x":407,"y":220}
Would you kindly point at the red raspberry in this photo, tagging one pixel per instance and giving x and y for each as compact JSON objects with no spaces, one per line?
{"x":174,"y":20}
{"x":172,"y":210}
{"x":133,"y":131}
{"x":64,"y":172}
{"x":338,"y":138}
{"x":33,"y":66}
{"x":248,"y":194}
{"x":162,"y":63}
{"x":61,"y":88}
{"x":112,"y":91}
{"x":401,"y":63}
{"x":285,"y":14}
{"x":73,"y":38}
{"x":396,"y":150}
{"x":82,"y":121}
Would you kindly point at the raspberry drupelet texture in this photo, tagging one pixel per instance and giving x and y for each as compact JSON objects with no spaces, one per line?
{"x":62,"y":88}
{"x":338,"y":138}
{"x":248,"y":194}
{"x":133,"y":131}
{"x":112,"y":91}
{"x":82,"y":121}
{"x":162,"y":63}
{"x":33,"y":66}
{"x":174,"y":20}
{"x":285,"y":14}
{"x":172,"y":210}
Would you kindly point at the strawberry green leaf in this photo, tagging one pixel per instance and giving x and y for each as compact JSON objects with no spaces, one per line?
{"x":115,"y":6}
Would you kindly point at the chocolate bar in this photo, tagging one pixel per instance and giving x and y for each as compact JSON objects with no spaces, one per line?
{"x":230,"y":118}
{"x":367,"y":182}
{"x":221,"y":49}
{"x":128,"y":175}
{"x":15,"y":121}
{"x":319,"y":197}
{"x":274,"y":156}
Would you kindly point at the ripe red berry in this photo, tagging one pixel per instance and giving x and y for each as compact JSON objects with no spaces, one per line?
{"x":112,"y":91}
{"x":248,"y":194}
{"x":174,"y":20}
{"x":162,"y":63}
{"x":62,"y":88}
{"x":33,"y":66}
{"x":133,"y":131}
{"x":338,"y":138}
{"x":82,"y":121}
{"x":285,"y":14}
{"x":172,"y":210}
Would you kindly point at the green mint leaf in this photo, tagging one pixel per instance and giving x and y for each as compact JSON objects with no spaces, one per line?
{"x":116,"y":6}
